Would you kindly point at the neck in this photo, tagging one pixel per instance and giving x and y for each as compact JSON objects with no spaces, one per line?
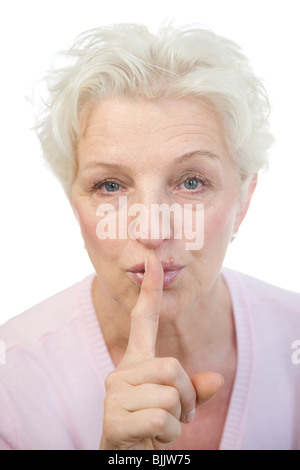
{"x":207,"y":323}
{"x":201,"y":337}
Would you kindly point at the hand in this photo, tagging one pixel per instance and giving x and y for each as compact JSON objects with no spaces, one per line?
{"x":147,"y":398}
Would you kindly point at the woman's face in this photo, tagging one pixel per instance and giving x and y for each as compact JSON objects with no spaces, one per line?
{"x":154,"y":153}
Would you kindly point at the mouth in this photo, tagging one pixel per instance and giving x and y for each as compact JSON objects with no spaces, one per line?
{"x":171,"y":273}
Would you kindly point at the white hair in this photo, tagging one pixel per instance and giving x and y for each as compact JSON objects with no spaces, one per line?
{"x":128,"y":60}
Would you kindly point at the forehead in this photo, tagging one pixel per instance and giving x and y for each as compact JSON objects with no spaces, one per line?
{"x":118,"y":127}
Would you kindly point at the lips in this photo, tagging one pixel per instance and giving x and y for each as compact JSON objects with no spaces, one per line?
{"x":171,"y":273}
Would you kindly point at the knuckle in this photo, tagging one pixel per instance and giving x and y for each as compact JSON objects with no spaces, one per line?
{"x":172,"y":397}
{"x":113,"y":399}
{"x":158,"y":421}
{"x":115,"y":379}
{"x":171,"y":367}
{"x":111,"y":428}
{"x":110,"y":380}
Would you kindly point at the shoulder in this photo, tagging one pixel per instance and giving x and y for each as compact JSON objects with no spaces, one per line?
{"x":260,"y":293}
{"x":54,"y":360}
{"x":49,"y":316}
{"x":271,"y":310}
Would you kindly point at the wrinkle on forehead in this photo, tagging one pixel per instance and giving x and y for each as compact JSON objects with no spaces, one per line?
{"x":135,"y":125}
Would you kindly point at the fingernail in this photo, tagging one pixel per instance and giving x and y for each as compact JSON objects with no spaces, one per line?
{"x":190,"y":416}
{"x":221,"y":380}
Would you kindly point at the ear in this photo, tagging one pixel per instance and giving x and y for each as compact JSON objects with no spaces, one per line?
{"x":247,"y":192}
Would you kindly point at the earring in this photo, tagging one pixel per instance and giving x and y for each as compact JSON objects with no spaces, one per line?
{"x":234,"y":235}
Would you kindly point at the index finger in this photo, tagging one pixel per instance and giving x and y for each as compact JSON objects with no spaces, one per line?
{"x":145,"y":314}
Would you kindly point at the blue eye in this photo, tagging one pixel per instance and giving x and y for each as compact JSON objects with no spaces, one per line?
{"x":192,"y":183}
{"x":106,"y":187}
{"x":111,"y":187}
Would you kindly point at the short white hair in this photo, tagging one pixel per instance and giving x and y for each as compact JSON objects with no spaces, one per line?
{"x":128,"y":60}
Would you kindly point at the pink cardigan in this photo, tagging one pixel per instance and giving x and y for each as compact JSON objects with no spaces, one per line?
{"x":52,"y":382}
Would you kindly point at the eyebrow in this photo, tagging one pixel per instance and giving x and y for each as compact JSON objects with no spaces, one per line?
{"x":196,"y":153}
{"x":182,"y":158}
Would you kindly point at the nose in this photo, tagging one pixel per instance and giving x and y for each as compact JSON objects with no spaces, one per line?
{"x":152,"y":222}
{"x":151,"y":243}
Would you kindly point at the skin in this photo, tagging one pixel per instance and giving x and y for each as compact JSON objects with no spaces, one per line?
{"x":151,"y":332}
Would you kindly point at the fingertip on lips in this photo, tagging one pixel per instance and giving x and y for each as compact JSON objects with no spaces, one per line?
{"x":164,"y":273}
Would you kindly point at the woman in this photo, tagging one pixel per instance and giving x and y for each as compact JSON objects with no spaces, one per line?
{"x":162,"y":347}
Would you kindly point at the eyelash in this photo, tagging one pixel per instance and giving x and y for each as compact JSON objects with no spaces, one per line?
{"x":200,"y":179}
{"x":97,"y":186}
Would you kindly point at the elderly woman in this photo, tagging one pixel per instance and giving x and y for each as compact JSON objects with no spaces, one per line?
{"x":161,"y":347}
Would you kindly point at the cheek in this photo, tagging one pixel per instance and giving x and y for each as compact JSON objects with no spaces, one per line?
{"x":88,"y":226}
{"x":106,"y":255}
{"x":217,"y":227}
{"x":219,"y":224}
{"x":98,"y":249}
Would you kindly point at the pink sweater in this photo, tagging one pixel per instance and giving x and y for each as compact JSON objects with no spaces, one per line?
{"x":52,"y":382}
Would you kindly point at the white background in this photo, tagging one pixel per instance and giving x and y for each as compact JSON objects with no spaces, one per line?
{"x":41,"y":250}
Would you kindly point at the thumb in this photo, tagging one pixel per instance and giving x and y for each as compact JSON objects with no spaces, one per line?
{"x":206,"y":384}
